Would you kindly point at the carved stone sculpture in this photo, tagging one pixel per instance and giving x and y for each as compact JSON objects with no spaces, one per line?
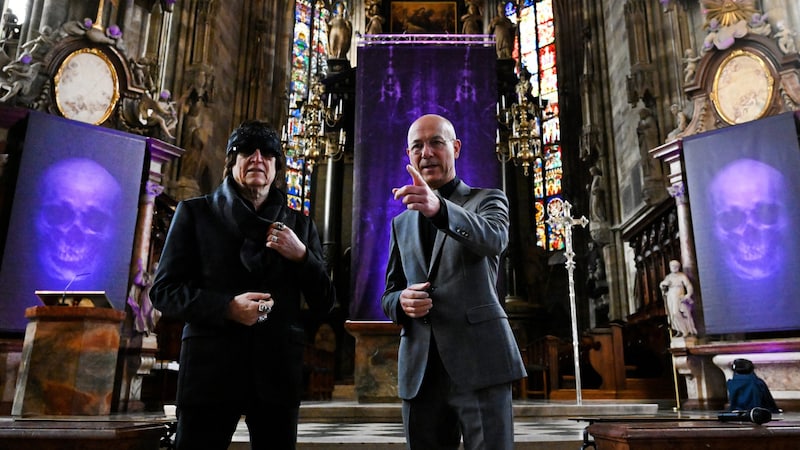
{"x":647,"y":130}
{"x":17,"y":77}
{"x":374,"y":19}
{"x":472,"y":19}
{"x":340,"y":32}
{"x":690,"y":68}
{"x":160,"y":112}
{"x":678,"y":291}
{"x":597,"y":196}
{"x":785,"y":39}
{"x":503,"y":30}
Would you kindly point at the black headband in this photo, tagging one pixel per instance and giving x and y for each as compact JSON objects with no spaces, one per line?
{"x":253,"y":135}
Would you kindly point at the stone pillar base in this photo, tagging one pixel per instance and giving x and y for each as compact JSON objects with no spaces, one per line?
{"x":375,"y":373}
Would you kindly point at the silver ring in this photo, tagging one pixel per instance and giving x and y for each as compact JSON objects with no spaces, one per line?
{"x":262,"y":318}
{"x":279,"y":226}
{"x":274,"y":238}
{"x":263,"y":307}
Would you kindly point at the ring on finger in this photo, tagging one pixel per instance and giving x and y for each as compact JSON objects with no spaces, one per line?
{"x":264,"y":308}
{"x":274,"y":238}
{"x":262,"y":318}
{"x":279,"y":226}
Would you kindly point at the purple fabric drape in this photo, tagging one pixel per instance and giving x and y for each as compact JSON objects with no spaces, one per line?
{"x":396,"y":84}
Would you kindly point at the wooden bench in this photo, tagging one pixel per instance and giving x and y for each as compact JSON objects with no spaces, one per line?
{"x":693,"y":434}
{"x":84,"y":434}
{"x":612,"y":366}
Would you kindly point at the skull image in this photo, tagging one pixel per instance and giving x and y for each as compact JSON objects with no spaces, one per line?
{"x":74,"y":223}
{"x":750,"y":205}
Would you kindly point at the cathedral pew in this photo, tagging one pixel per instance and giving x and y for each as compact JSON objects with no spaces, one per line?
{"x":616,"y":362}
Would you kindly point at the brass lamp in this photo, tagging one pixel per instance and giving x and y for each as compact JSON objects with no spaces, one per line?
{"x":524,"y":140}
{"x":312,"y":142}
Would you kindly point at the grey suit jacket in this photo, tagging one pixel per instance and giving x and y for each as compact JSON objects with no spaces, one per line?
{"x":471,"y":328}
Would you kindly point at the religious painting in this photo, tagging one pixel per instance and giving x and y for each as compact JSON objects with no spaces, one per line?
{"x":738,"y":101}
{"x":423,"y":17}
{"x":743,"y":191}
{"x":74,"y":213}
{"x":86,"y":86}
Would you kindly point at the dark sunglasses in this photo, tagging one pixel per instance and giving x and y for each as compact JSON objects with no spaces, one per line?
{"x":249,"y":148}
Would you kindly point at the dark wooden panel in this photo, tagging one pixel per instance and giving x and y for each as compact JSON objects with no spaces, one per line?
{"x":81,"y":434}
{"x":691,"y":435}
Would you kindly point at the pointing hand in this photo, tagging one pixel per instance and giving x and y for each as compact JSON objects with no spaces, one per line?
{"x":418,"y":196}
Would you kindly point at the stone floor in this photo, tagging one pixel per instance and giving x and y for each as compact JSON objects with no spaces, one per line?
{"x":539,"y":424}
{"x":553,"y":434}
{"x":346,"y":424}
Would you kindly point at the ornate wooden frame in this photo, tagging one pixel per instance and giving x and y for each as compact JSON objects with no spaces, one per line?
{"x":66,"y":49}
{"x":780,"y":72}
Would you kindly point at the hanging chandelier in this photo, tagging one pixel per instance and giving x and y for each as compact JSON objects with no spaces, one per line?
{"x":523,"y":141}
{"x":312,"y":142}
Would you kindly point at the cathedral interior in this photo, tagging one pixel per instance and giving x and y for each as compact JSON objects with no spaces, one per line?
{"x":648,"y":149}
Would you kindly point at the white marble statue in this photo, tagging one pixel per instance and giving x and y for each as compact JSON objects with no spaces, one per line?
{"x":678,"y":291}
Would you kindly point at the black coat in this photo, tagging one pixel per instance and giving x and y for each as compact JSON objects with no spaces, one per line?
{"x":215,"y":250}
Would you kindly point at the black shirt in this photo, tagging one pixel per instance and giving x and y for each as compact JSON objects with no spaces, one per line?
{"x":428,"y":226}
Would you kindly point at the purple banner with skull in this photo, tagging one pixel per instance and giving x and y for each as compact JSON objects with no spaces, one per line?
{"x":73,"y":217}
{"x":744,"y":190}
{"x":396,"y":84}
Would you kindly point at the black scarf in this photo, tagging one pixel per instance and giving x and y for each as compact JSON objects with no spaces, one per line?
{"x":241,"y":218}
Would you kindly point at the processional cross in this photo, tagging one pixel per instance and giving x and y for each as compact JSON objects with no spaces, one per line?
{"x":561,"y":219}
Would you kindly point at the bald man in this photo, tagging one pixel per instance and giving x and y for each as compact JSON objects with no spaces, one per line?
{"x":458,"y":356}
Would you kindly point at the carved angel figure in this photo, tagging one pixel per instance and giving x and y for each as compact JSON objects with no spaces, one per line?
{"x":47,"y":37}
{"x":18,"y":76}
{"x":785,"y":39}
{"x":758,"y":25}
{"x":690,"y":60}
{"x":159,"y":112}
{"x":681,"y":122}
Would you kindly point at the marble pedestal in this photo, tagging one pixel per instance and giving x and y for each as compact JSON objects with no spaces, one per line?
{"x":780,"y":370}
{"x":69,"y":359}
{"x":375,"y":374}
{"x":707,"y":367}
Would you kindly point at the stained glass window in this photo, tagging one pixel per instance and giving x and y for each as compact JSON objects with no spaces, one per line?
{"x":537,"y":55}
{"x":527,"y":39}
{"x":309,"y":60}
{"x":546,"y":34}
{"x":319,"y":61}
{"x":301,"y":52}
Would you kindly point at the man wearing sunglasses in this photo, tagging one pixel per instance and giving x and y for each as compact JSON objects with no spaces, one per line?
{"x":234,"y":267}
